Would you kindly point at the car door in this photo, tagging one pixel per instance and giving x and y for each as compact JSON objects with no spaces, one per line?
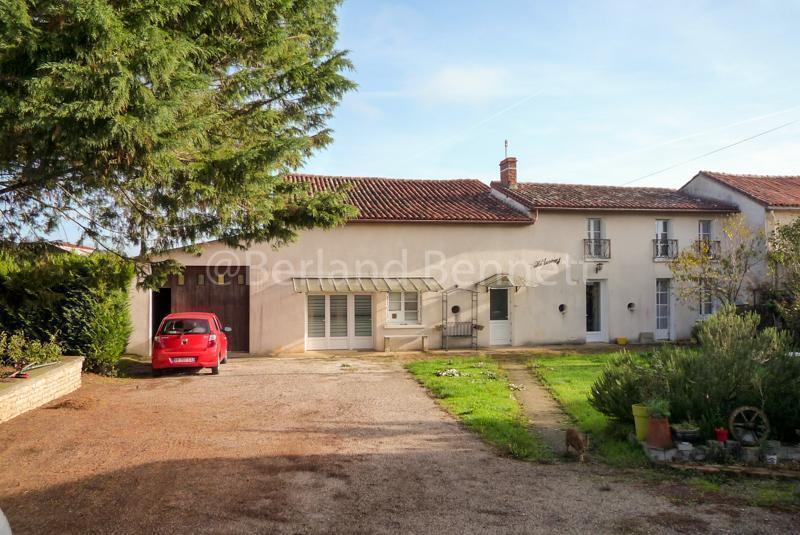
{"x":225,"y":338}
{"x":222,"y":337}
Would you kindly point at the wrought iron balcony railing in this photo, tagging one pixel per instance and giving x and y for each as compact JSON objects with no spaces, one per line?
{"x":707,"y":247}
{"x":597,"y":249}
{"x":665,"y":249}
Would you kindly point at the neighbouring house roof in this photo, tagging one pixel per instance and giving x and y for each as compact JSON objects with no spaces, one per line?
{"x":389,"y":200}
{"x":781,"y":191}
{"x":73,"y":247}
{"x":366,"y":284}
{"x":54,"y":246}
{"x":537,"y":195}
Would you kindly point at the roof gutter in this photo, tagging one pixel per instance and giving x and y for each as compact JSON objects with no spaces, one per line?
{"x":444,"y":221}
{"x":676,"y":210}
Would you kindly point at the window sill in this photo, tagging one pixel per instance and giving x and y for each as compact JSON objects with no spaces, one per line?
{"x":403,"y":326}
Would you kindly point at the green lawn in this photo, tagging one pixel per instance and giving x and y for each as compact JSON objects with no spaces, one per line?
{"x":570,"y":378}
{"x":482,"y":400}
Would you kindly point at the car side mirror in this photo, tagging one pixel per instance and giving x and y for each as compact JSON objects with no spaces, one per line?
{"x":227,"y":329}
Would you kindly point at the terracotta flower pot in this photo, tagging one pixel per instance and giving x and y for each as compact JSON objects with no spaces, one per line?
{"x":658,"y":433}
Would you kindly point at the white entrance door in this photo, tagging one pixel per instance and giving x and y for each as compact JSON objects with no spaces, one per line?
{"x":595,"y":322}
{"x":339,"y":321}
{"x":499,"y":321}
{"x":663,"y":309}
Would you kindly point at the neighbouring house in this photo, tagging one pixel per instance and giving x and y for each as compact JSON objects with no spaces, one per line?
{"x":765,"y":201}
{"x":82,"y":250}
{"x":54,"y":246}
{"x":452,"y":263}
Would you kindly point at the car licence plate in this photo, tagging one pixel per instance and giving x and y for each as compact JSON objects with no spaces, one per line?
{"x":183,"y":359}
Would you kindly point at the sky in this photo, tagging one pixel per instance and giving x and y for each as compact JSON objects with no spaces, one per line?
{"x":596,"y":92}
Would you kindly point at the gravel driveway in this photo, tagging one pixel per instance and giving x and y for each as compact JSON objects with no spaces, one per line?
{"x":303,"y":445}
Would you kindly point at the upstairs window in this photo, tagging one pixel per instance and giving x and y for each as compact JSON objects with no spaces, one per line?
{"x":663,"y":246}
{"x":704,"y":230}
{"x":662,"y":229}
{"x":595,"y":247}
{"x":594,"y":228}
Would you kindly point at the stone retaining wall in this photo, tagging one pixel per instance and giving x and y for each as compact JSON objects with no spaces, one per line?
{"x":46,"y":385}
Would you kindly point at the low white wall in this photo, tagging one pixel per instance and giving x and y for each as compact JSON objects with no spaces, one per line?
{"x":48,"y":384}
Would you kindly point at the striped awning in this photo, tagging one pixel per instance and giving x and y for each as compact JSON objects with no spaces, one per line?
{"x":365,"y":284}
{"x":502,"y":280}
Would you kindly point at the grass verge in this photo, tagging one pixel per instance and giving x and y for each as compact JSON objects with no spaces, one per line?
{"x":570,"y":379}
{"x":481,"y":398}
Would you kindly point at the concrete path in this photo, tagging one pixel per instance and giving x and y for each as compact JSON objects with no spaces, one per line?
{"x":549,"y":420}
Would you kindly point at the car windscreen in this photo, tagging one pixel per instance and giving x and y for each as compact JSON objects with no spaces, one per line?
{"x":185,"y":326}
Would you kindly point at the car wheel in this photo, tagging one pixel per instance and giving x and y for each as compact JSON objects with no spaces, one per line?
{"x":156,"y":372}
{"x":225,"y":360}
{"x":215,"y":369}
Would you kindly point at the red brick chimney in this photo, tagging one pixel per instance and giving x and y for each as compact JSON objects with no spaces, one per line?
{"x":508,"y":172}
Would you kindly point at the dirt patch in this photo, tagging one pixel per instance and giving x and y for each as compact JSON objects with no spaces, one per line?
{"x":73,"y":404}
{"x":664,"y":522}
{"x":299,"y":445}
{"x":679,"y":522}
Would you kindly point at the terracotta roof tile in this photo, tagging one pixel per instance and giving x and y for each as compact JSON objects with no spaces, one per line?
{"x":769,"y":190}
{"x":575,"y":196}
{"x":403,"y":200}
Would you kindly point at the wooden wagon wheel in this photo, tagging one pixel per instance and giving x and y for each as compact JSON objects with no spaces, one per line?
{"x":749,"y":425}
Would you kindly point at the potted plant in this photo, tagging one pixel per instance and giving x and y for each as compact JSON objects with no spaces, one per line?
{"x":658,"y":433}
{"x":640,"y":416}
{"x":686,"y":431}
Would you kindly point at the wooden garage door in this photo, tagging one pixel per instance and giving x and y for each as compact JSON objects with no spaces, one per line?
{"x":224,"y":291}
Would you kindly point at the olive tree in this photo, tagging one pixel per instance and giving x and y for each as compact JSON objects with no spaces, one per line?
{"x":702,"y":271}
{"x":785,"y":264}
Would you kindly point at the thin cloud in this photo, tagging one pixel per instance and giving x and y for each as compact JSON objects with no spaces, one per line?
{"x":464,"y":84}
{"x":465,"y":132}
{"x":472,"y":83}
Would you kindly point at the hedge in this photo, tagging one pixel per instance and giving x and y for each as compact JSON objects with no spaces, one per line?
{"x":80,"y":301}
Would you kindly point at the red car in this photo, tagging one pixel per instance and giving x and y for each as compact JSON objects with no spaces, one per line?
{"x":190,"y":340}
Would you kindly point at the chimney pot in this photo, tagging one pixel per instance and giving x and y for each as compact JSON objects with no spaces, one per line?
{"x":508,"y":172}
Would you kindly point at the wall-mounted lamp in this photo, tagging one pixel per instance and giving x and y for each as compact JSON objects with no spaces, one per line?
{"x":455,"y":309}
{"x":631,"y":307}
{"x":598,"y":267}
{"x":562,"y":308}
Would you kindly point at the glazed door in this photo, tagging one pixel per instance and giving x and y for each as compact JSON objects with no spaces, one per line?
{"x":499,"y":320}
{"x":595,"y":322}
{"x":663,"y":309}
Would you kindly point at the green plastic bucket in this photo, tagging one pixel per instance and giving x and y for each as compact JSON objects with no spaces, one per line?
{"x":640,"y":417}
